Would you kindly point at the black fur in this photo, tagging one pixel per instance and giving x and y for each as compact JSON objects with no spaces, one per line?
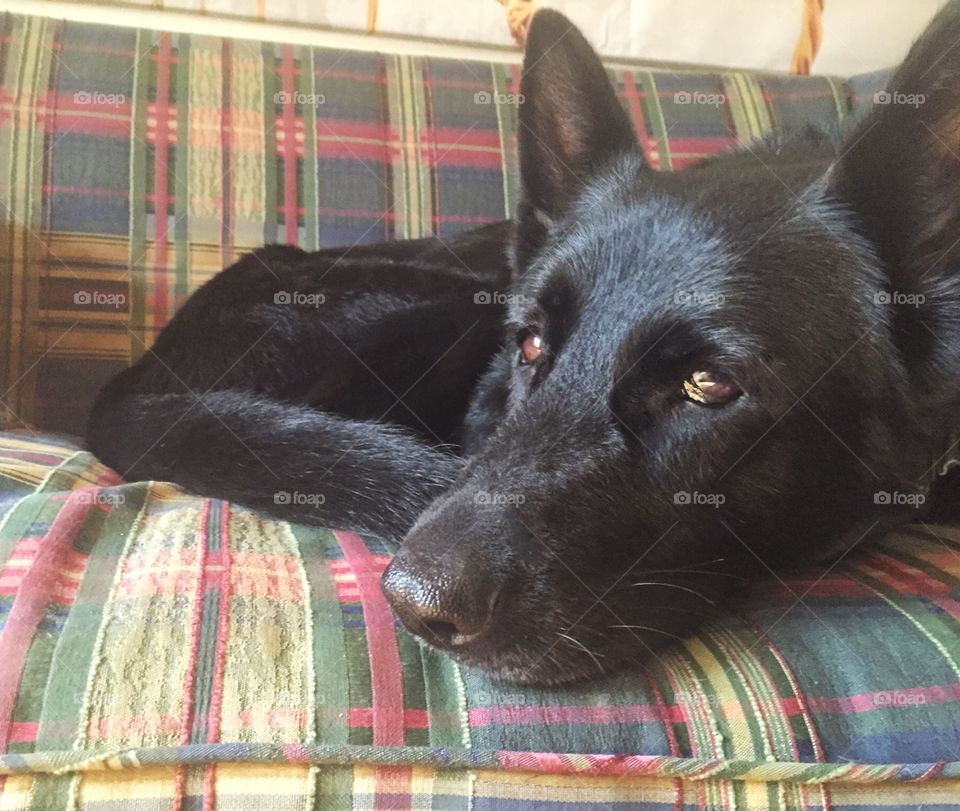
{"x":817,"y":270}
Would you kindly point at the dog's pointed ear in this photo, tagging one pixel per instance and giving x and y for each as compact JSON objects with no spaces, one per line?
{"x":900,"y":173}
{"x":570,"y":124}
{"x":900,"y":169}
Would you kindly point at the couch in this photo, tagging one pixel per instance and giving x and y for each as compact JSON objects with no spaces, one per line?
{"x":163,"y":651}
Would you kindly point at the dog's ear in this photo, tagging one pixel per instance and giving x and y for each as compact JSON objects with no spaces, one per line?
{"x":900,"y":172}
{"x":570,"y":124}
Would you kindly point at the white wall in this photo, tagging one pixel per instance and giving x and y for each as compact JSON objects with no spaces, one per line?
{"x":859,"y":35}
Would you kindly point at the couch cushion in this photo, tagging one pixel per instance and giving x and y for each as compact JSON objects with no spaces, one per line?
{"x":139,"y":163}
{"x":187,"y":645}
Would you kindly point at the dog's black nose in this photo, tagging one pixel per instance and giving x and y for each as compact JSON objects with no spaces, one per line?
{"x":449,"y":609}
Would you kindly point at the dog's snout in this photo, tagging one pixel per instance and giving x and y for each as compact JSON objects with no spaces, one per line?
{"x":446,"y":609}
{"x":446,"y":582}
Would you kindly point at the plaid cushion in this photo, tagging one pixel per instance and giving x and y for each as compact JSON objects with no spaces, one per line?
{"x":139,"y":163}
{"x":163,"y":651}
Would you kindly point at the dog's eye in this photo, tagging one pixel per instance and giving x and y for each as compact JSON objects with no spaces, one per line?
{"x":711,"y":388}
{"x":531,"y":345}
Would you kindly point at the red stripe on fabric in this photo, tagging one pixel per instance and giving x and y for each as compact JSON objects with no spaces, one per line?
{"x":911,"y":581}
{"x":444,"y":155}
{"x":24,"y":731}
{"x":632,"y":95}
{"x":288,"y":72}
{"x":881,"y":699}
{"x":102,"y":122}
{"x":412,"y":719}
{"x":386,"y":671}
{"x":220,"y":656}
{"x":32,"y":600}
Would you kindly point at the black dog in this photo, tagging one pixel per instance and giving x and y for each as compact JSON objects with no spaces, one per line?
{"x":753,"y":363}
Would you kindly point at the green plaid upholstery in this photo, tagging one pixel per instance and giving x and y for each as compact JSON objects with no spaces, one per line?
{"x":159,"y":651}
{"x":162,"y":651}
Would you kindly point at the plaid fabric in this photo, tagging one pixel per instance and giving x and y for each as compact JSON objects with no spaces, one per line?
{"x":139,"y":163}
{"x":164,"y":651}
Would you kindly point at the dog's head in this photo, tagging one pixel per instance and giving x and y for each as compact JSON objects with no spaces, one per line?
{"x":742,"y":366}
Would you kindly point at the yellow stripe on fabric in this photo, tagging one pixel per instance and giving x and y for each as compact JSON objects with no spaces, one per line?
{"x":507,"y":129}
{"x":248,"y":151}
{"x":16,"y":792}
{"x":269,"y":649}
{"x":144,"y":649}
{"x":751,"y":117}
{"x":722,"y":695}
{"x":839,"y":89}
{"x":567,"y":788}
{"x":691,"y":693}
{"x":205,"y":109}
{"x":763,"y":691}
{"x":412,"y":192}
{"x":268,"y":779}
{"x":27,"y":164}
{"x":155,"y":783}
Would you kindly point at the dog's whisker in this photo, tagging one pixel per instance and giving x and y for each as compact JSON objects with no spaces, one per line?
{"x":674,"y":586}
{"x":584,"y":648}
{"x":648,"y":628}
{"x":695,"y":571}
